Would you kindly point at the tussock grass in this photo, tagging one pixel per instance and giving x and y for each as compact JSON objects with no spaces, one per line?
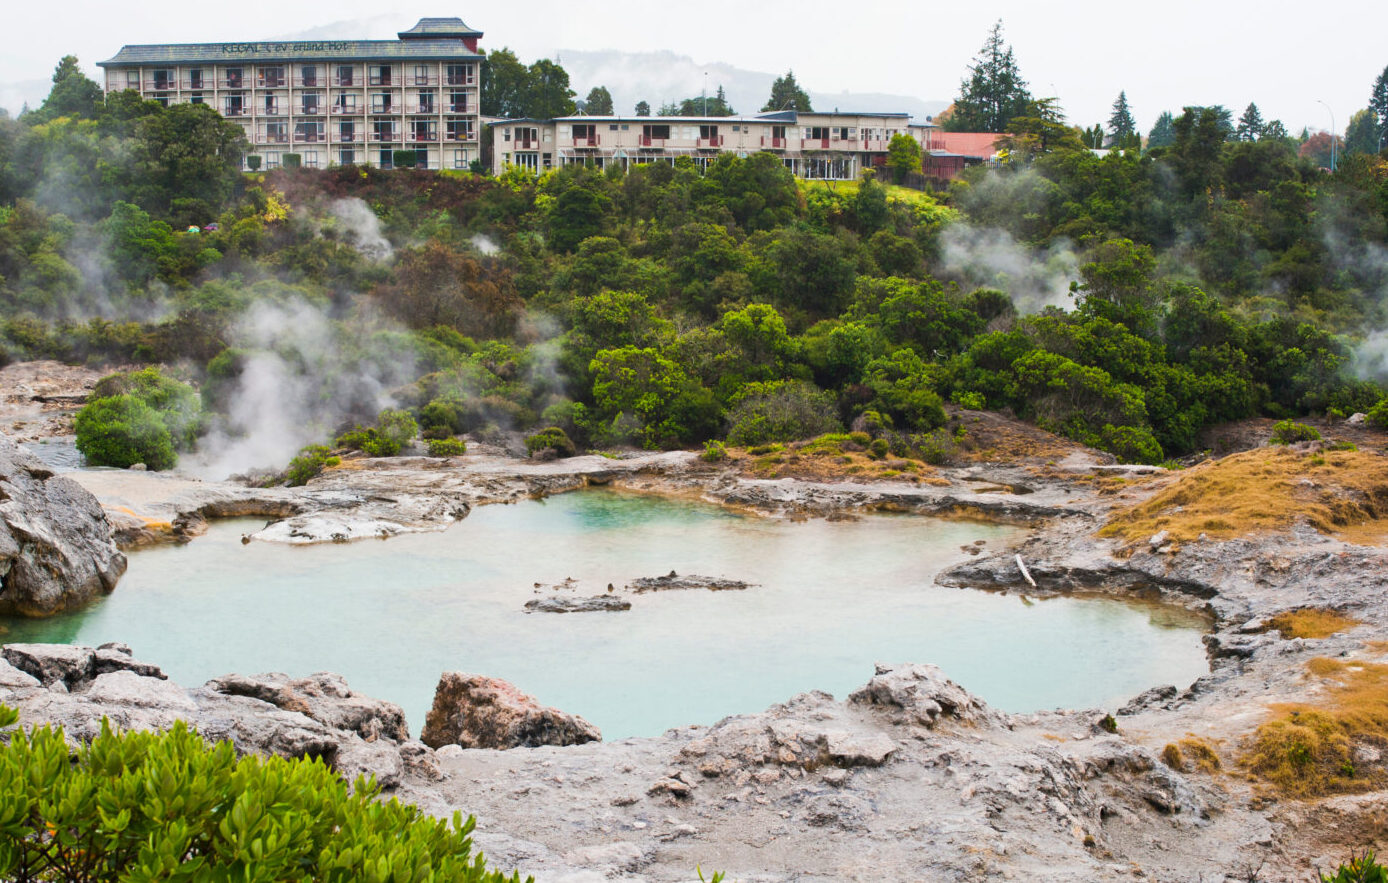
{"x":1191,"y":753}
{"x":1268,"y":489}
{"x":1309,"y":750}
{"x":1311,"y":622}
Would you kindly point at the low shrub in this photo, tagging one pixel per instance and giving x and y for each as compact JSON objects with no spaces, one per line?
{"x":121,"y":431}
{"x":446,"y":447}
{"x":393,"y":430}
{"x":781,"y":411}
{"x":1289,"y":432}
{"x":164,"y":806}
{"x":879,"y":448}
{"x":714,"y":452}
{"x":310,"y":461}
{"x":551,"y":438}
{"x":1359,"y":869}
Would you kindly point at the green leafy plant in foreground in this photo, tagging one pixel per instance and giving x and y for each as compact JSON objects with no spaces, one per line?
{"x":1359,"y":869}
{"x":142,"y":806}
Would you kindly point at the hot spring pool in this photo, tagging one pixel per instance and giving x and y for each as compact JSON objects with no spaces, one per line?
{"x":831,"y":599}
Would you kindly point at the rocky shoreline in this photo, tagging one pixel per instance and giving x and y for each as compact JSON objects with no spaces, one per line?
{"x":910,"y":777}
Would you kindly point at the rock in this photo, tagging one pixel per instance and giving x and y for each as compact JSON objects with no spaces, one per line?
{"x":14,"y":678}
{"x":131,"y":688}
{"x":380,"y":759}
{"x":323,"y":697}
{"x":670,"y":785}
{"x":673,"y":581}
{"x":421,"y":759}
{"x":619,"y":857}
{"x":56,"y":551}
{"x":856,"y":749}
{"x":54,"y":663}
{"x":1154,"y":698}
{"x":1159,"y":539}
{"x":1357,"y":418}
{"x":597,"y":603}
{"x":256,"y":727}
{"x":116,"y":646}
{"x":923,"y":692}
{"x":475,"y":711}
{"x":109,"y":660}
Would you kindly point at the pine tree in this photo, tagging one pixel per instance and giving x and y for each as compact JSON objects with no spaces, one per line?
{"x":1250,"y":125}
{"x":643,"y":108}
{"x":1163,"y":133}
{"x":786,"y":94}
{"x":73,"y":94}
{"x":1121,"y":126}
{"x":1378,"y":103}
{"x":598,"y":102}
{"x":994,"y":92}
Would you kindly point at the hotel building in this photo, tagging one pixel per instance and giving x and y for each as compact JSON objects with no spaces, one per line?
{"x":332,"y":102}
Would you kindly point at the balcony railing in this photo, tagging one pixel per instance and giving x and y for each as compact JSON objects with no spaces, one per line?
{"x":310,"y":82}
{"x":431,"y":109}
{"x":426,"y":80}
{"x":349,"y":137}
{"x":382,"y":137}
{"x":421,"y":137}
{"x":197,"y":85}
{"x":649,"y":141}
{"x":309,"y":137}
{"x":236,"y":111}
{"x":311,"y":110}
{"x":232,"y":83}
{"x":384,"y":109}
{"x":527,"y":144}
{"x":347,"y":82}
{"x":774,"y":143}
{"x":709,"y":143}
{"x":161,"y":85}
{"x":379,"y":80}
{"x":271,"y":110}
{"x":346,"y":110}
{"x":459,"y":80}
{"x":270,"y":83}
{"x":459,"y":136}
{"x":586,"y":140}
{"x":264,"y":138}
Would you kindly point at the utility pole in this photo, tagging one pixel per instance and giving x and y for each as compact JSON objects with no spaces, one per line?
{"x":705,"y":93}
{"x":1332,"y":134}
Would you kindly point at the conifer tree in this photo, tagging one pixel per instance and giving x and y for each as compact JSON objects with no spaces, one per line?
{"x":643,"y":108}
{"x":1121,"y":126}
{"x":73,"y":94}
{"x":994,"y":91}
{"x":1163,"y":133}
{"x":1378,"y":103}
{"x":598,"y":102}
{"x":1250,"y":124}
{"x":786,"y":94}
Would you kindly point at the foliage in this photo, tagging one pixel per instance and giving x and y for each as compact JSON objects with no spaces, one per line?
{"x":598,"y":102}
{"x":122,"y":430}
{"x":1289,"y":432}
{"x":1359,"y":869}
{"x":511,"y":89}
{"x":150,"y":806}
{"x":903,"y":155}
{"x":786,"y":94}
{"x":700,"y":106}
{"x":393,"y":430}
{"x":714,"y":452}
{"x":552,"y":439}
{"x":1121,"y":126}
{"x":446,"y":447}
{"x":73,"y":94}
{"x":308,"y":463}
{"x":780,"y":411}
{"x":994,"y":91}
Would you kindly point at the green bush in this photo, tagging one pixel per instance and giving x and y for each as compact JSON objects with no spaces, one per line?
{"x":446,"y":447}
{"x":1378,"y":414}
{"x":781,"y":411}
{"x":1359,"y":869}
{"x":311,"y":460}
{"x":1289,"y":432}
{"x":714,"y":452}
{"x":393,"y":430}
{"x":291,"y":160}
{"x":253,"y":163}
{"x":552,"y":439}
{"x":879,"y":448}
{"x":168,"y":806}
{"x":444,"y":414}
{"x":404,"y":159}
{"x":121,"y":431}
{"x":178,"y":404}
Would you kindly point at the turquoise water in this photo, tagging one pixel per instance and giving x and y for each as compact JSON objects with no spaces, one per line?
{"x":831,"y":599}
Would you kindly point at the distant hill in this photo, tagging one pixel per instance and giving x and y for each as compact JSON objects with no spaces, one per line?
{"x":658,"y":77}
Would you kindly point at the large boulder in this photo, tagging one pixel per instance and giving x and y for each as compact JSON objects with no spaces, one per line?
{"x":475,"y":711}
{"x":923,"y":695}
{"x":323,"y":697}
{"x":56,"y":551}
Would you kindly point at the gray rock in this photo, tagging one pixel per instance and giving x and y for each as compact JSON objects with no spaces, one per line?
{"x":130,"y":688}
{"x":923,"y":692}
{"x":380,"y":759}
{"x":256,"y":727}
{"x":1156,"y":697}
{"x":109,"y":660}
{"x":54,"y":663}
{"x":14,"y":678}
{"x":323,"y":697}
{"x":56,"y":551}
{"x":674,"y":582}
{"x":475,"y":711}
{"x":594,"y":604}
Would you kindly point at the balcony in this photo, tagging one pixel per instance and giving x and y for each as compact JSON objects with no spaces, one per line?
{"x":459,"y":81}
{"x":272,"y":110}
{"x":231,"y":83}
{"x":425,"y":109}
{"x":460,"y":136}
{"x":527,"y":144}
{"x":349,"y":137}
{"x":265,"y":138}
{"x":586,"y":140}
{"x":379,"y":81}
{"x":311,"y":110}
{"x":709,"y":143}
{"x":422,"y":137}
{"x":428,"y":80}
{"x":773,"y":143}
{"x":346,"y":82}
{"x":346,"y":110}
{"x":197,"y":85}
{"x":161,"y":85}
{"x":654,"y":143}
{"x":236,"y":112}
{"x":385,"y":109}
{"x":268,"y":83}
{"x":383,"y":137}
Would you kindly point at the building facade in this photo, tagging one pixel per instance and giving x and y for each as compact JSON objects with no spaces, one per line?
{"x":832,"y":146}
{"x":334,"y":102}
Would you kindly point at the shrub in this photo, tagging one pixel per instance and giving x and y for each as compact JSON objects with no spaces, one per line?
{"x":121,"y":431}
{"x":310,"y":461}
{"x":446,"y":447}
{"x":157,"y":806}
{"x":550,"y":439}
{"x":404,"y":159}
{"x":1289,"y":432}
{"x":879,"y":448}
{"x":177,"y":403}
{"x":973,"y":401}
{"x":714,"y":452}
{"x":397,"y":427}
{"x":291,"y":160}
{"x":253,"y":163}
{"x":771,"y":412}
{"x":1359,"y":869}
{"x":1378,"y":414}
{"x":444,"y":414}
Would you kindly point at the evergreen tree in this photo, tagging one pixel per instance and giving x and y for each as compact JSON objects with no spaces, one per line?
{"x":598,"y":102}
{"x":73,"y":94}
{"x":993,"y":93}
{"x":786,"y":94}
{"x":699,"y":106}
{"x":548,"y":94}
{"x":643,"y":108}
{"x":1251,"y":125}
{"x":1361,"y":135}
{"x":1275,"y":131}
{"x":1378,"y":103}
{"x":1163,"y":133}
{"x":505,"y":82}
{"x":1094,"y":138}
{"x":1121,"y":126}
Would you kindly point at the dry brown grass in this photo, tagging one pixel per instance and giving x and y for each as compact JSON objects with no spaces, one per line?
{"x":1268,"y":489}
{"x":829,"y":459}
{"x":1309,"y":750}
{"x":1191,"y":753}
{"x":1311,"y":622}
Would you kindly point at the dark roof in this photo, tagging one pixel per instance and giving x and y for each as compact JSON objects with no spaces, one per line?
{"x":439,"y":27}
{"x":432,"y":49}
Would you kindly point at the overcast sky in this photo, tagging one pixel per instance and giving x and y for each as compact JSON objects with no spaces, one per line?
{"x":1284,"y":56}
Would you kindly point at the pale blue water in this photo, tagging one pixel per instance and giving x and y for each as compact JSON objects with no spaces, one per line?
{"x":832,"y":598}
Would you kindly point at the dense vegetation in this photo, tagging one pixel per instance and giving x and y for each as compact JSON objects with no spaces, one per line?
{"x":168,"y":806}
{"x":1216,"y":278}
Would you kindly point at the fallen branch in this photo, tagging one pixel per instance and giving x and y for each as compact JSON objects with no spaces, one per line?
{"x":1026,"y":574}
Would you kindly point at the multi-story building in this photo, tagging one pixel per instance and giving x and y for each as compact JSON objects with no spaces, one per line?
{"x":834,"y":146}
{"x":331,"y":102}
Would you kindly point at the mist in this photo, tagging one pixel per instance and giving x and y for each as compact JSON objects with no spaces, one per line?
{"x":991,"y":258}
{"x":363,"y":228}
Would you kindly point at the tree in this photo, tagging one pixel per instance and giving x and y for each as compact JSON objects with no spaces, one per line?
{"x":598,"y":102}
{"x":1163,"y":132}
{"x":903,"y":155}
{"x":188,"y":154}
{"x":993,"y":93}
{"x":548,"y":94}
{"x":786,"y":94}
{"x":505,"y":83}
{"x":73,"y":94}
{"x":1251,"y":124}
{"x":643,"y":108}
{"x":700,"y":106}
{"x":1121,"y":127}
{"x":1317,"y":148}
{"x":1093,"y":138}
{"x":1378,"y":103}
{"x":1361,"y":136}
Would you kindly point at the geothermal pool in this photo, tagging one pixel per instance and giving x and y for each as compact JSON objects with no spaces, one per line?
{"x":831,"y":599}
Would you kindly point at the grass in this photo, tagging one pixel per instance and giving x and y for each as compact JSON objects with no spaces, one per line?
{"x":1311,"y":622}
{"x":1308,"y":750}
{"x":827,"y":458}
{"x":1191,"y":753}
{"x":1268,"y":489}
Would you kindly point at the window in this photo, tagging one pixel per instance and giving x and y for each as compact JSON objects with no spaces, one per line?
{"x":233,"y":78}
{"x":272,"y":77}
{"x":163,"y":79}
{"x":272,"y":105}
{"x":195,"y":78}
{"x":612,"y":128}
{"x":132,"y":80}
{"x":461,"y":130}
{"x":460,"y":159}
{"x":347,"y":156}
{"x":778,"y":132}
{"x":381,"y":102}
{"x":459,"y":74}
{"x":387,"y":160}
{"x":161,"y":100}
{"x":195,"y":98}
{"x":235,"y":106}
{"x":421,"y":75}
{"x":345,"y":75}
{"x":457,"y":102}
{"x":585,"y":132}
{"x":424,"y":130}
{"x":310,"y":159}
{"x":308,"y":103}
{"x":659,"y":132}
{"x":817,"y":133}
{"x":276,"y":133}
{"x":708,"y":133}
{"x":345,"y":104}
{"x":347,"y":131}
{"x":308,"y":75}
{"x":308,"y":132}
{"x":426,"y":101}
{"x":383,"y":130}
{"x":378,"y":74}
